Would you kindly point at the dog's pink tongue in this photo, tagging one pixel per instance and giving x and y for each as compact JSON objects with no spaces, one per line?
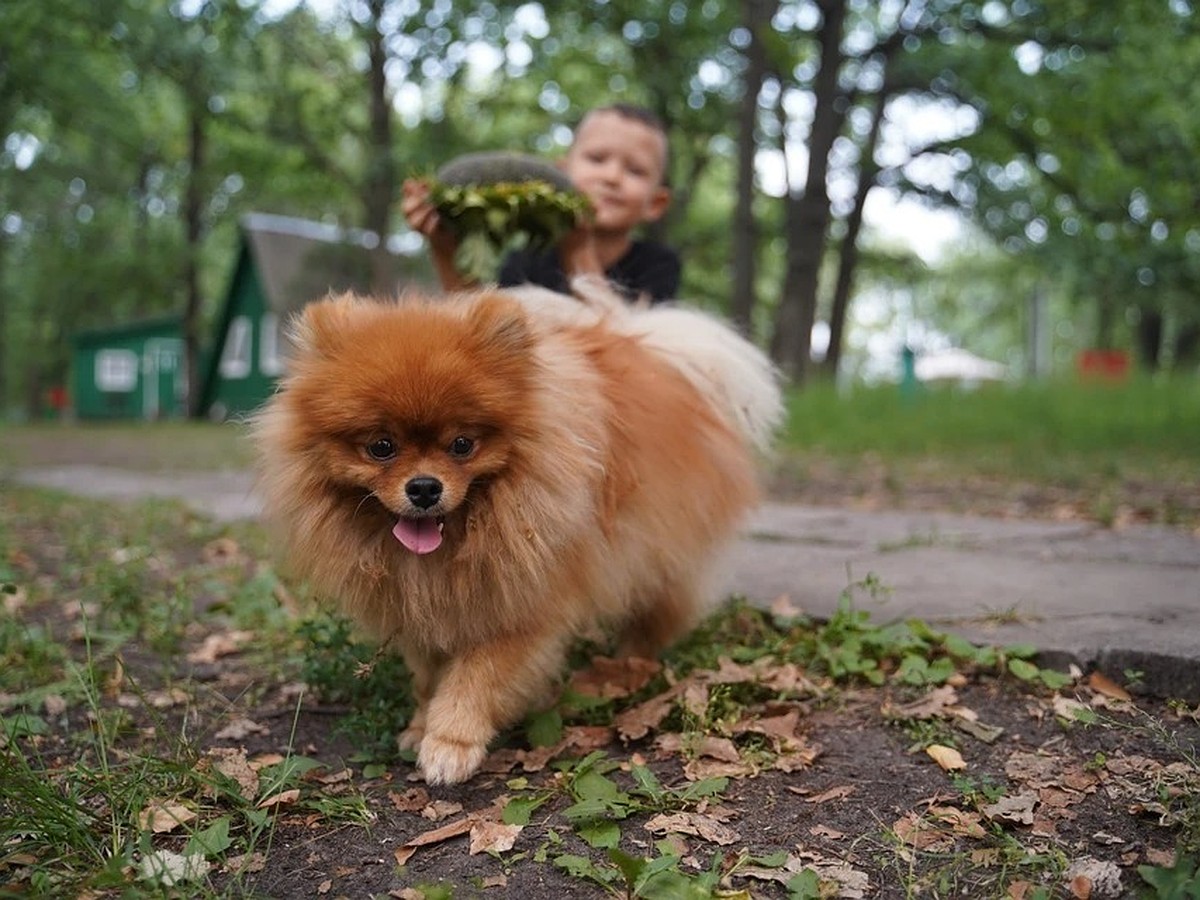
{"x":418,"y":535}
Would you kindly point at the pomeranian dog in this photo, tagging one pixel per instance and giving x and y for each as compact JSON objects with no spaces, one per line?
{"x":478,"y":479}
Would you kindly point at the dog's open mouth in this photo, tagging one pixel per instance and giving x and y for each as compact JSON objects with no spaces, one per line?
{"x":423,"y":535}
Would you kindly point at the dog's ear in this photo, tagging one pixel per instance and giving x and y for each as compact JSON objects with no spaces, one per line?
{"x":320,"y":326}
{"x":501,"y":326}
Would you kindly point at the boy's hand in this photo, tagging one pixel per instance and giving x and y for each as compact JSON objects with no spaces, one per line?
{"x":577,"y":251}
{"x":423,"y":218}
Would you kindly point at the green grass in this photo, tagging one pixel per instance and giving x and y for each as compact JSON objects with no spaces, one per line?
{"x":1034,"y":431}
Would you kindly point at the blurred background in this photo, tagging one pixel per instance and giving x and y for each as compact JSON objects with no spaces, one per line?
{"x":909,"y":192}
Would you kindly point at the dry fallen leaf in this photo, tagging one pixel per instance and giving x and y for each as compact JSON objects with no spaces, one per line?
{"x":947,"y":757}
{"x":493,"y":837}
{"x":161,"y":818}
{"x":220,"y":644}
{"x":1102,"y":684}
{"x":437,"y":810}
{"x":1018,"y":808}
{"x":696,"y":824}
{"x":635,"y":723}
{"x":232,"y":763}
{"x":283,"y":798}
{"x":614,"y":678}
{"x":412,"y":800}
{"x":240,"y":728}
{"x":834,"y":793}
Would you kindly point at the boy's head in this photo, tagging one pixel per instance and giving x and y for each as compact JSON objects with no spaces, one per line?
{"x":618,"y":159}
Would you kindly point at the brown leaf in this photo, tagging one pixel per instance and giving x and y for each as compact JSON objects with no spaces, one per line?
{"x":614,"y":678}
{"x":240,"y":728}
{"x":933,"y":705}
{"x":232,"y":763}
{"x":947,"y":757}
{"x":1102,"y":684}
{"x":824,"y":831}
{"x":1018,"y":808}
{"x":218,"y":645}
{"x":283,"y":798}
{"x":161,"y":818}
{"x":700,"y":769}
{"x":834,"y":793}
{"x":692,"y":823}
{"x":635,"y":723}
{"x":493,"y":837}
{"x":412,"y":800}
{"x":441,"y":809}
{"x":919,"y":833}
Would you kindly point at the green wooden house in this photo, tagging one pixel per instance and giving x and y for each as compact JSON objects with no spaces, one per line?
{"x":282,"y":264}
{"x":132,"y":371}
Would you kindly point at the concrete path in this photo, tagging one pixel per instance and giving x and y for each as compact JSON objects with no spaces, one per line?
{"x":1113,"y":599}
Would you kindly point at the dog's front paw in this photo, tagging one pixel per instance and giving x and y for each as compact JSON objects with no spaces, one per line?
{"x":444,"y":761}
{"x":410,"y":738}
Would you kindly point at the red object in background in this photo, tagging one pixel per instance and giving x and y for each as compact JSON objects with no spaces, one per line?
{"x":1103,"y":365}
{"x":56,"y":398}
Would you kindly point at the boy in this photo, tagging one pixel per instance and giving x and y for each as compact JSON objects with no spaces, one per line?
{"x":618,"y":160}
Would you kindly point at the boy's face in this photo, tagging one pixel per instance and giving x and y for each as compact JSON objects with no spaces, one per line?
{"x":617,"y":163}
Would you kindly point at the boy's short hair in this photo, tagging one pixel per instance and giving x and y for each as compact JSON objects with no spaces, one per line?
{"x":647,"y":117}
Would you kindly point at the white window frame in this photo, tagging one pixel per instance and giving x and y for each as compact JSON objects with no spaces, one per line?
{"x":269,"y":360}
{"x":235,"y":355}
{"x":116,"y":370}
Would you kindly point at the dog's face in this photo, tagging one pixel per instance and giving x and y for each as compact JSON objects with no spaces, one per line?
{"x":413,"y":406}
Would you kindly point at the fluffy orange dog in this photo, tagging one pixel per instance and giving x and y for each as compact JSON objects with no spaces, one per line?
{"x":479,"y":479}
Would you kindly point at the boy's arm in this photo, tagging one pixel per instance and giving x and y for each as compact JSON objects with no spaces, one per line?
{"x":577,"y":252}
{"x":423,"y":218}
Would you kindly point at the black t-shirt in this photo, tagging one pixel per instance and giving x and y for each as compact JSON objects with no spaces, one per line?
{"x":646,"y":268}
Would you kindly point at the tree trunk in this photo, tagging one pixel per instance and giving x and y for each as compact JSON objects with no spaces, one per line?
{"x":193,"y":227}
{"x":849,"y":256}
{"x":756,"y":15}
{"x":381,"y":171}
{"x":807,"y":216}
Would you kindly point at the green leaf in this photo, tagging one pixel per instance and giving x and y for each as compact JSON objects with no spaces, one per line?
{"x":805,"y":886}
{"x":519,"y":810}
{"x":544,"y":729}
{"x":1021,"y":651}
{"x":647,"y":781}
{"x":212,"y":841}
{"x":600,"y":833}
{"x":631,"y":866}
{"x":591,"y":785}
{"x":1026,"y":671}
{"x":582,"y":867}
{"x":1054,"y":680}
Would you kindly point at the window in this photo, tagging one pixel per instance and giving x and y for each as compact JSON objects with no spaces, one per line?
{"x":269,"y":360}
{"x":235,"y":355}
{"x":116,"y":370}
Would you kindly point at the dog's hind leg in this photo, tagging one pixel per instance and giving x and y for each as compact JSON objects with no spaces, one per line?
{"x":662,"y":616}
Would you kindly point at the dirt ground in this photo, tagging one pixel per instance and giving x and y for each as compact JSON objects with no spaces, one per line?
{"x":780,"y":781}
{"x":1075,"y":792}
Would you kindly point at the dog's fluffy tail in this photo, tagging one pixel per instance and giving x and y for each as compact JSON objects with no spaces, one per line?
{"x":739,"y":379}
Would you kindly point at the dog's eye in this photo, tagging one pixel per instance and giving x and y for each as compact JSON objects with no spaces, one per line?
{"x":461,"y":447}
{"x":382,"y":449}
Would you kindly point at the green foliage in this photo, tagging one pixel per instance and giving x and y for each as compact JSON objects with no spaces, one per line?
{"x":373,"y":684}
{"x":1179,"y":882}
{"x":492,"y":218}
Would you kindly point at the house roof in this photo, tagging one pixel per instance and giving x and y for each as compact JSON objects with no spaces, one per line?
{"x":299,"y":260}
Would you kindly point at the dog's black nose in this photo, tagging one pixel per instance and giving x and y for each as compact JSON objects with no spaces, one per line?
{"x":423,"y":491}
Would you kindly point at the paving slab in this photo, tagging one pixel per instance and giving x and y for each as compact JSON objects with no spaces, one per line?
{"x":1116,"y":599}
